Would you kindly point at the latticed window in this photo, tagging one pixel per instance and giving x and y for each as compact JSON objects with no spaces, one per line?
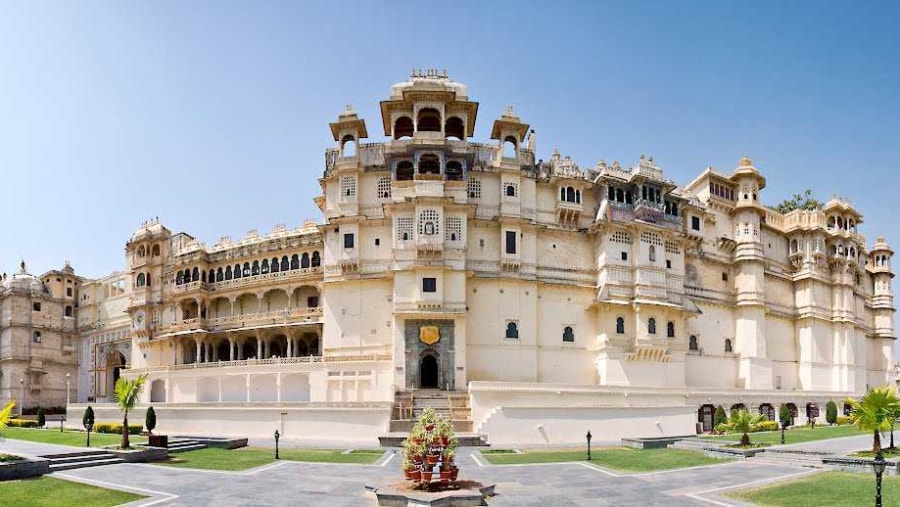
{"x":453,"y":230}
{"x":429,"y":222}
{"x":621,"y":237}
{"x":404,"y":228}
{"x":653,"y":239}
{"x":383,"y":188}
{"x":672,"y":248}
{"x":348,"y":186}
{"x":473,"y":187}
{"x":510,"y":189}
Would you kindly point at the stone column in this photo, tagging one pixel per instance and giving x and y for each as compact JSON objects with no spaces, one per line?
{"x":199,"y":353}
{"x":230,"y":349}
{"x":259,"y":350}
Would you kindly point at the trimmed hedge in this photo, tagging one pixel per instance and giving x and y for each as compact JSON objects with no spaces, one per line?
{"x":843,"y":419}
{"x":47,"y":410}
{"x":22,"y":423}
{"x":767,"y":426}
{"x":116,"y":428}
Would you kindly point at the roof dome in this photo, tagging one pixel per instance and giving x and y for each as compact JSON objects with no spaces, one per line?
{"x":23,"y":280}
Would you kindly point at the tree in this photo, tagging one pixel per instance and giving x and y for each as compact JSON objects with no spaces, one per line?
{"x":743,"y":422}
{"x":126,"y":396}
{"x":719,"y":418}
{"x":873,"y":412}
{"x":88,"y":422}
{"x":150,"y":420}
{"x":6,"y":415}
{"x":784,"y":417}
{"x":804,"y":201}
{"x":831,"y":412}
{"x":42,"y":419}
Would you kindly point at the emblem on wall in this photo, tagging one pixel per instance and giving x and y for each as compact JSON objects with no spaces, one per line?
{"x":429,"y":335}
{"x":139,"y":321}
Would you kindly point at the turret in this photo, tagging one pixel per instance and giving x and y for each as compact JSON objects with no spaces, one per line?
{"x":883,"y":296}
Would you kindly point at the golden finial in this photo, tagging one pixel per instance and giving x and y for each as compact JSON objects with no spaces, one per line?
{"x":746,"y":162}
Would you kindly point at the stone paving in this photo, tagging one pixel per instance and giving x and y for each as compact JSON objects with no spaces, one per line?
{"x":544,"y":485}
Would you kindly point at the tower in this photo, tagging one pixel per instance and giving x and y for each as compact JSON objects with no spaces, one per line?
{"x":883,"y":308}
{"x":754,"y":370}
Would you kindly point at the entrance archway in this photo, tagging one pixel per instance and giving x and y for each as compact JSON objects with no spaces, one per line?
{"x":428,"y":372}
{"x":115,"y":361}
{"x":705,"y":417}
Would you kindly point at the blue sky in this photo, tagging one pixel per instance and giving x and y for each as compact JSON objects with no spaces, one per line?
{"x":214,"y":115}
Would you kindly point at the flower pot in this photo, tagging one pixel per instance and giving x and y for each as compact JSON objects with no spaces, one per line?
{"x":426,"y":476}
{"x":446,"y":476}
{"x":418,"y":440}
{"x":454,"y":473}
{"x":429,"y":427}
{"x":408,"y":473}
{"x":415,"y":475}
{"x":445,"y":440}
{"x":433,"y":459}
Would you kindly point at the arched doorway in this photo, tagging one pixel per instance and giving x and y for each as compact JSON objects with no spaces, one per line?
{"x":428,"y":372}
{"x":115,"y":361}
{"x":705,"y":417}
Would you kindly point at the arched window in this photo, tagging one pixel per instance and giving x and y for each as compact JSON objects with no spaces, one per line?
{"x":568,"y":334}
{"x":179,"y":278}
{"x":455,"y":128}
{"x":212,"y":276}
{"x":203,"y":276}
{"x":237,"y":271}
{"x":227,"y":272}
{"x":348,"y":146}
{"x":264,"y":267}
{"x":728,"y":347}
{"x":512,"y":330}
{"x":795,"y":247}
{"x":68,"y":311}
{"x":510,"y":190}
{"x":273,"y":267}
{"x":692,"y":343}
{"x":156,"y":250}
{"x":570,"y":194}
{"x":651,"y":325}
{"x":831,"y":222}
{"x":316,"y":259}
{"x":140,"y":280}
{"x":578,"y":196}
{"x":403,"y":127}
{"x":246,"y":269}
{"x":148,"y":279}
{"x":620,"y":325}
{"x":255,"y":269}
{"x":509,"y":147}
{"x":454,"y":171}
{"x":221,"y":276}
{"x":652,"y":253}
{"x":140,"y":252}
{"x":284,"y":263}
{"x":429,"y":120}
{"x":562,"y":194}
{"x":304,"y":260}
{"x":195,"y":275}
{"x":295,"y":261}
{"x":429,"y":164}
{"x":404,"y":170}
{"x":670,"y":330}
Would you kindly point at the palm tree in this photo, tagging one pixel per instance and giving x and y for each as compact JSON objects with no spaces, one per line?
{"x":6,"y":414}
{"x":742,"y":422}
{"x":874,"y":412}
{"x":126,"y":396}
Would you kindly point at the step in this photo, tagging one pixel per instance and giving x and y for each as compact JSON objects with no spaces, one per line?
{"x":78,"y":459}
{"x":54,"y":467}
{"x":185,"y":448}
{"x":395,"y":439}
{"x":73,"y":454}
{"x":404,"y":425}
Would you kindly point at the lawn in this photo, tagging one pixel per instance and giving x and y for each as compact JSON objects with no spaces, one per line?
{"x":68,"y":437}
{"x":250,"y":457}
{"x":828,"y":489}
{"x":795,"y":435}
{"x":623,"y":459}
{"x":49,"y":492}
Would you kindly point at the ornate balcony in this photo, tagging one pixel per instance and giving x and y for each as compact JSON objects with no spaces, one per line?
{"x":311,"y":315}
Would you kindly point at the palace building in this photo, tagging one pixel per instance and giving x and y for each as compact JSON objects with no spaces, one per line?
{"x":530,"y":299}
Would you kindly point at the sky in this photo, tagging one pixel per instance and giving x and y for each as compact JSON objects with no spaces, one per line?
{"x":213,"y":116}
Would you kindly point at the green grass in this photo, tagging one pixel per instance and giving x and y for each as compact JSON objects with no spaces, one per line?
{"x":885,"y":452}
{"x":829,"y":489}
{"x":68,"y":437}
{"x":49,"y":492}
{"x":249,"y":457}
{"x":794,"y":435}
{"x":620,"y":458}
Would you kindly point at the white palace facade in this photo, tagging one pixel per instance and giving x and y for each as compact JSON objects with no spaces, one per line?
{"x":538,"y":298}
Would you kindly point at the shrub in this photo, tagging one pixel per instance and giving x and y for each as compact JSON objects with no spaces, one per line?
{"x":88,"y":418}
{"x":767,"y":426}
{"x":47,"y":410}
{"x":150,"y":420}
{"x":719,"y":418}
{"x":830,"y":412}
{"x":843,"y":419}
{"x":22,"y":423}
{"x":784,"y":415}
{"x":42,"y":419}
{"x":116,"y":428}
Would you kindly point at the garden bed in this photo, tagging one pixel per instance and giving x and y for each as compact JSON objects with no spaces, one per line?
{"x":140,"y":454}
{"x":18,"y":467}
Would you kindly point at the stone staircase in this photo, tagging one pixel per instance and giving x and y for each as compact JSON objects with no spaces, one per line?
{"x":85,"y":459}
{"x":787,"y":457}
{"x":693,"y":444}
{"x":409,"y":405}
{"x":184,"y":444}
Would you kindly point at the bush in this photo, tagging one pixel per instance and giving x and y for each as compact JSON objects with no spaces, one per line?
{"x":22,"y":423}
{"x":843,"y":419}
{"x":88,"y":418}
{"x":116,"y":428}
{"x":784,"y":415}
{"x":47,"y":410}
{"x":830,"y":412}
{"x":767,"y":426}
{"x":719,"y":417}
{"x":150,"y":420}
{"x":42,"y":419}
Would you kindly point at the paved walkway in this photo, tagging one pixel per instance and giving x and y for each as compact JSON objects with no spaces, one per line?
{"x":321,"y":484}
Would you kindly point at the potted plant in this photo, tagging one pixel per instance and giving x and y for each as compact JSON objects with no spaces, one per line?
{"x":417,"y":434}
{"x":446,"y":475}
{"x":428,"y":418}
{"x":408,"y":468}
{"x":432,"y":458}
{"x":448,"y":457}
{"x":426,"y":474}
{"x":444,"y":430}
{"x":454,"y":472}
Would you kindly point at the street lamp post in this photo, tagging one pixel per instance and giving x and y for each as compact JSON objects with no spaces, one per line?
{"x":588,"y":436}
{"x":278,"y":435}
{"x":68,"y":376}
{"x":22,"y":402}
{"x":878,"y":465}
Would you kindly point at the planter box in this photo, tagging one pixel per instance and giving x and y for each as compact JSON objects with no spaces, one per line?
{"x":733,"y":453}
{"x":158,"y":441}
{"x":861,"y":465}
{"x":26,"y":467}
{"x":141,"y":455}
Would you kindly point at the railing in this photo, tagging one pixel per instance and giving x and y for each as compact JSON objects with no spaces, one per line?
{"x":371,"y":154}
{"x":274,"y":361}
{"x":485,"y":155}
{"x":187,"y":287}
{"x":219,"y":323}
{"x":277,"y":276}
